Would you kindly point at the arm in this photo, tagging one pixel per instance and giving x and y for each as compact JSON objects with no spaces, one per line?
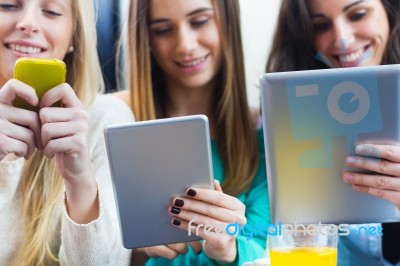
{"x":98,"y":242}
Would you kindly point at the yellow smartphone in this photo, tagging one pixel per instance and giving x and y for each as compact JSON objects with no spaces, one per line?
{"x":41,"y":74}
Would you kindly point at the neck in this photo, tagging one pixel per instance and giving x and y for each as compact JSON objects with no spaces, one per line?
{"x":183,"y":100}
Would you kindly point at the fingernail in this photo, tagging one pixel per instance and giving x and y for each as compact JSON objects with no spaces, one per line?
{"x":360,"y":149}
{"x":176,"y":222}
{"x":175,"y":210}
{"x":191,"y":192}
{"x":351,"y":160}
{"x":348,"y":177}
{"x":179,"y":203}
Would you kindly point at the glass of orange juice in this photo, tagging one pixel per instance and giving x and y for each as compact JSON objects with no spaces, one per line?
{"x":304,"y":245}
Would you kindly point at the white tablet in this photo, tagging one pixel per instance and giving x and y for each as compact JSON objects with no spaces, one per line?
{"x":312,"y":120}
{"x":151,"y":162}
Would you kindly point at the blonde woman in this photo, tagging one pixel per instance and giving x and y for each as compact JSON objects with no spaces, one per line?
{"x":185,"y":58}
{"x":56,"y":201}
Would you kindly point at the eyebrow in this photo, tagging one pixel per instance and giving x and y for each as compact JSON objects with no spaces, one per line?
{"x":194,"y":12}
{"x":343,"y":10}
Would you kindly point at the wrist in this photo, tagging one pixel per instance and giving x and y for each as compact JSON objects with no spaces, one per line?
{"x":82,"y":202}
{"x":230,"y":257}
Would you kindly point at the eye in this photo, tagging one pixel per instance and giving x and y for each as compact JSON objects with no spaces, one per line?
{"x":8,"y":7}
{"x":358,"y":16}
{"x":51,"y":13}
{"x":162,"y":31}
{"x":199,"y":22}
{"x":319,"y":27}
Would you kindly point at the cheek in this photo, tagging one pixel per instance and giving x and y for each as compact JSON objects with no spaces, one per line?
{"x":320,"y":43}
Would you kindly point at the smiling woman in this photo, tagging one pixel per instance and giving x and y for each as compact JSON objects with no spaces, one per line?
{"x":56,"y":197}
{"x":314,"y":34}
{"x":185,"y":58}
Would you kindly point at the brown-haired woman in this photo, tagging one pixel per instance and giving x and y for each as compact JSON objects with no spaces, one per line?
{"x":185,"y":57}
{"x":314,"y":34}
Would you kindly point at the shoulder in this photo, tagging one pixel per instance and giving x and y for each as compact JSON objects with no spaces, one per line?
{"x":124,"y":96}
{"x":110,"y":109}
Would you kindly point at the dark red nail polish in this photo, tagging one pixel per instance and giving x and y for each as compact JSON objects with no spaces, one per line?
{"x":179,"y":203}
{"x":191,"y":192}
{"x":176,"y":222}
{"x":175,"y":210}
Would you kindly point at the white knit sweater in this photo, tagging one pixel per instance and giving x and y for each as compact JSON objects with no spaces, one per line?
{"x":96,"y":243}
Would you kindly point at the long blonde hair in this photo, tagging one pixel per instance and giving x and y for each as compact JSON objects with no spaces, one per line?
{"x":42,"y":184}
{"x":236,"y":136}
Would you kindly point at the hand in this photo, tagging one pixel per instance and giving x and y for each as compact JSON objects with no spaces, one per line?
{"x":64,"y":137}
{"x":385,"y":163}
{"x":210,"y":207}
{"x":170,"y":251}
{"x":19,"y":128}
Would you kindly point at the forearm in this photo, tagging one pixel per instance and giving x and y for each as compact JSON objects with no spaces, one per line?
{"x":82,"y":201}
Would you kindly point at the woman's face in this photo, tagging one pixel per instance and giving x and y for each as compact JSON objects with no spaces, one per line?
{"x":350,"y":33}
{"x":185,"y":40}
{"x":33,"y":28}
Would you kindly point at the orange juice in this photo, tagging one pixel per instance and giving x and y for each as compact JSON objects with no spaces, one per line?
{"x":303,"y":256}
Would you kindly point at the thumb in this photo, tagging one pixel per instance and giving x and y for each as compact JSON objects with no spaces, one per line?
{"x":217,"y":185}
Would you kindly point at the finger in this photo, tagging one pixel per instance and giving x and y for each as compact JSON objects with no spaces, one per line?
{"x":196,"y":246}
{"x":215,"y":198}
{"x":389,"y":152}
{"x":20,"y":133}
{"x":63,"y":93}
{"x":71,"y":146}
{"x":373,"y":181}
{"x":14,"y":88}
{"x":161,"y":251}
{"x":197,"y":218}
{"x":180,"y":248}
{"x":203,"y":208}
{"x":9,"y":145}
{"x":58,"y":114}
{"x":217,"y":185}
{"x":389,"y":195}
{"x":24,"y":118}
{"x":207,"y":232}
{"x":377,"y":165}
{"x":52,"y":131}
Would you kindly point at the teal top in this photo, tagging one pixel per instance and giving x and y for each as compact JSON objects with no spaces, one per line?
{"x":257,"y":213}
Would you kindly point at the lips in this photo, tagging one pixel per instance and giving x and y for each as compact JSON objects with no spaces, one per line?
{"x":25,"y":49}
{"x":355,"y":56}
{"x":192,"y":62}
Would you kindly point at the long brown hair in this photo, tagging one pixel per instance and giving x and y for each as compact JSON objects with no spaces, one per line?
{"x":236,"y":137}
{"x":293,"y":47}
{"x":42,"y":184}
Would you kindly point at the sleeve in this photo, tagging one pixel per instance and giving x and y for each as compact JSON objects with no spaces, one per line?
{"x":98,"y":242}
{"x":251,"y":243}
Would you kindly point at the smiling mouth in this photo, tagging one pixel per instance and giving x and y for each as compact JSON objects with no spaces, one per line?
{"x":356,"y":56}
{"x":192,"y":63}
{"x":24,"y":49}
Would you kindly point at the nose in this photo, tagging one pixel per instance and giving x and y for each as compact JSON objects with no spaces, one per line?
{"x":343,"y":35}
{"x":28,"y":23}
{"x":186,"y":40}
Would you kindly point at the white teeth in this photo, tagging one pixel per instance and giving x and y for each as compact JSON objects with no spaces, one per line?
{"x":347,"y":58}
{"x":192,"y":63}
{"x":25,"y":49}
